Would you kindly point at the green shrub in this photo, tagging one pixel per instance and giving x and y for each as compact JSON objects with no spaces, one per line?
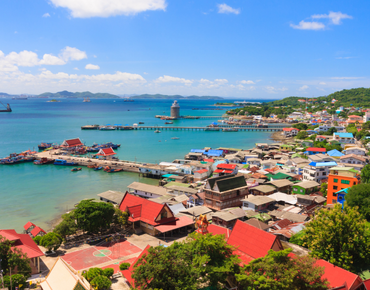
{"x":37,"y":240}
{"x":124,"y":266}
{"x":108,"y":272}
{"x":93,"y":273}
{"x":101,"y":283}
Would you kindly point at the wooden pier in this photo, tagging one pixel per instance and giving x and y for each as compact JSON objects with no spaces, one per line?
{"x":245,"y":128}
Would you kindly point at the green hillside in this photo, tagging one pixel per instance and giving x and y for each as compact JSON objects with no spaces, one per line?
{"x":66,"y":94}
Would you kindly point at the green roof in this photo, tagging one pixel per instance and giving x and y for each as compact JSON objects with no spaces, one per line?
{"x":262,"y":217}
{"x":278,"y":175}
{"x":350,"y":169}
{"x":229,"y":149}
{"x":246,"y":166}
{"x":231,"y":183}
{"x":213,"y":180}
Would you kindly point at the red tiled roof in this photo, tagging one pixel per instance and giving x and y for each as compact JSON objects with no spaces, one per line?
{"x":290,"y":129}
{"x":281,"y":223}
{"x":36,"y":231}
{"x":28,"y":225}
{"x":226,"y":166}
{"x":337,"y":276}
{"x":223,"y":171}
{"x":208,"y":160}
{"x":23,"y":242}
{"x":176,"y":224}
{"x":106,"y":152}
{"x":367,"y":284}
{"x":73,"y":142}
{"x":218,"y":230}
{"x":143,"y":209}
{"x":201,"y":171}
{"x":251,"y":240}
{"x":314,"y":149}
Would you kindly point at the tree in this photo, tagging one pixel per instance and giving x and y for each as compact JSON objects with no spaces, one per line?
{"x":17,"y":279}
{"x":365,"y":174}
{"x":302,"y":135}
{"x":300,"y":126}
{"x":94,"y":216}
{"x":277,"y":270}
{"x":200,"y":260}
{"x":108,"y":272}
{"x":120,"y":217}
{"x":359,"y":196}
{"x":51,"y":241}
{"x":339,"y":236}
{"x":124,"y":266}
{"x":67,"y":226}
{"x":324,"y":189}
{"x":297,"y":239}
{"x":13,"y":258}
{"x":92,"y":273}
{"x":37,"y":240}
{"x":101,"y":283}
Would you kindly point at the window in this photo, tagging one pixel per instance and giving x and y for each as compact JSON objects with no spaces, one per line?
{"x":344,"y":181}
{"x":335,"y":180}
{"x":335,"y":187}
{"x":301,"y":190}
{"x":295,"y":189}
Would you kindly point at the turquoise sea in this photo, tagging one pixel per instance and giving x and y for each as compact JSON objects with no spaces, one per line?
{"x":41,"y":193}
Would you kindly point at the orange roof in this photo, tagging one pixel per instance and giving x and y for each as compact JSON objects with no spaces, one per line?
{"x":28,"y":225}
{"x":72,"y":142}
{"x":218,"y":230}
{"x":226,"y":166}
{"x":36,"y":231}
{"x":106,"y":152}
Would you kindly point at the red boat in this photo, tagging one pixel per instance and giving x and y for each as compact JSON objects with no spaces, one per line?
{"x":76,"y":169}
{"x":43,"y":161}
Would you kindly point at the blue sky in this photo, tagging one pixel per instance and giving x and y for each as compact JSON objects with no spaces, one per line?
{"x":239,"y":49}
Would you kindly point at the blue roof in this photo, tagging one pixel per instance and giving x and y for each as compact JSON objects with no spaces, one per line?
{"x":344,"y":190}
{"x":320,"y":164}
{"x":214,"y":152}
{"x":344,"y":135}
{"x":197,"y":150}
{"x":335,"y":153}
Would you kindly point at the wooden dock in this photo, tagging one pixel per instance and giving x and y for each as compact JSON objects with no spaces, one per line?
{"x":245,"y":128}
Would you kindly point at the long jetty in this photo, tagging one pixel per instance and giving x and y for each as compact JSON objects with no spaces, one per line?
{"x":233,"y":128}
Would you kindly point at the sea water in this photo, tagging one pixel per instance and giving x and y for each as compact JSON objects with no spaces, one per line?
{"x":40,"y":193}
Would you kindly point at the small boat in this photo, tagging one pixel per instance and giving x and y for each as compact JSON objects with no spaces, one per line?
{"x":98,"y":168}
{"x":86,"y":100}
{"x":7,"y":108}
{"x":175,"y":138}
{"x":168,"y":122}
{"x":64,"y":162}
{"x":43,"y":161}
{"x":229,"y":130}
{"x":141,"y":122}
{"x":44,"y":146}
{"x":76,"y":169}
{"x":157,"y":131}
{"x":115,"y":170}
{"x":91,"y":166}
{"x":107,"y":128}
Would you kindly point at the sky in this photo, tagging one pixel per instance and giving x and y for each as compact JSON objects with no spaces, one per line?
{"x":235,"y":49}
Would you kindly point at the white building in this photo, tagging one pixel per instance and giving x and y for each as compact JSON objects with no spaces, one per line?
{"x":355,"y":150}
{"x":317,"y":171}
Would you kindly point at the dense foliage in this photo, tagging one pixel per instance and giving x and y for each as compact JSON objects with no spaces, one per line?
{"x":94,"y":216}
{"x":11,"y":259}
{"x":124,"y":266}
{"x":200,"y":260}
{"x":66,"y":94}
{"x":17,"y":279}
{"x":67,"y":226}
{"x":365,"y":174}
{"x":340,"y":237}
{"x":359,"y":196}
{"x":278,"y":270}
{"x":101,"y":283}
{"x":51,"y":241}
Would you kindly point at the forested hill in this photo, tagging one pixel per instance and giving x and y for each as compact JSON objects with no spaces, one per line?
{"x":66,"y":94}
{"x":173,"y":97}
{"x":359,"y":97}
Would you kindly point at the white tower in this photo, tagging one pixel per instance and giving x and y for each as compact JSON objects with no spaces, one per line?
{"x":175,"y":110}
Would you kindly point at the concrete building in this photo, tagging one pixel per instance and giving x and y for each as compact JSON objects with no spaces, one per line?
{"x":175,"y":110}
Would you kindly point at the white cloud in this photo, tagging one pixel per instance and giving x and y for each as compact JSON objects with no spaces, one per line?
{"x":72,"y":53}
{"x":224,"y":8}
{"x":322,"y":83}
{"x":306,"y":25}
{"x":169,"y":79}
{"x":76,"y":68}
{"x":346,"y":78}
{"x":221,"y":81}
{"x":274,"y":90}
{"x":92,"y":66}
{"x":303,"y":88}
{"x":46,"y":15}
{"x":107,"y":8}
{"x":334,"y":17}
{"x":49,"y":59}
{"x":345,"y":57}
{"x":249,"y":82}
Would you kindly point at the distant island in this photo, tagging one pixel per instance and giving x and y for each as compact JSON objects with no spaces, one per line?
{"x":172,"y":97}
{"x":66,"y":94}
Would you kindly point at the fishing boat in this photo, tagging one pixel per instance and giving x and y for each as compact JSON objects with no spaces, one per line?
{"x":157,"y":131}
{"x":128,"y":100}
{"x":175,"y":138}
{"x":91,"y":166}
{"x":168,"y":122}
{"x":43,"y":161}
{"x":64,"y":162}
{"x":114,"y":170}
{"x":107,"y":128}
{"x":141,"y":122}
{"x":98,"y":168}
{"x":7,"y":108}
{"x":75,"y":169}
{"x":44,"y":146}
{"x":229,"y":130}
{"x":86,"y":100}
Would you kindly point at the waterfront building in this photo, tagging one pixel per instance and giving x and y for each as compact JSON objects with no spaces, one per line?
{"x":338,"y":179}
{"x":72,"y":143}
{"x":114,"y":197}
{"x":175,"y":110}
{"x":146,"y":190}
